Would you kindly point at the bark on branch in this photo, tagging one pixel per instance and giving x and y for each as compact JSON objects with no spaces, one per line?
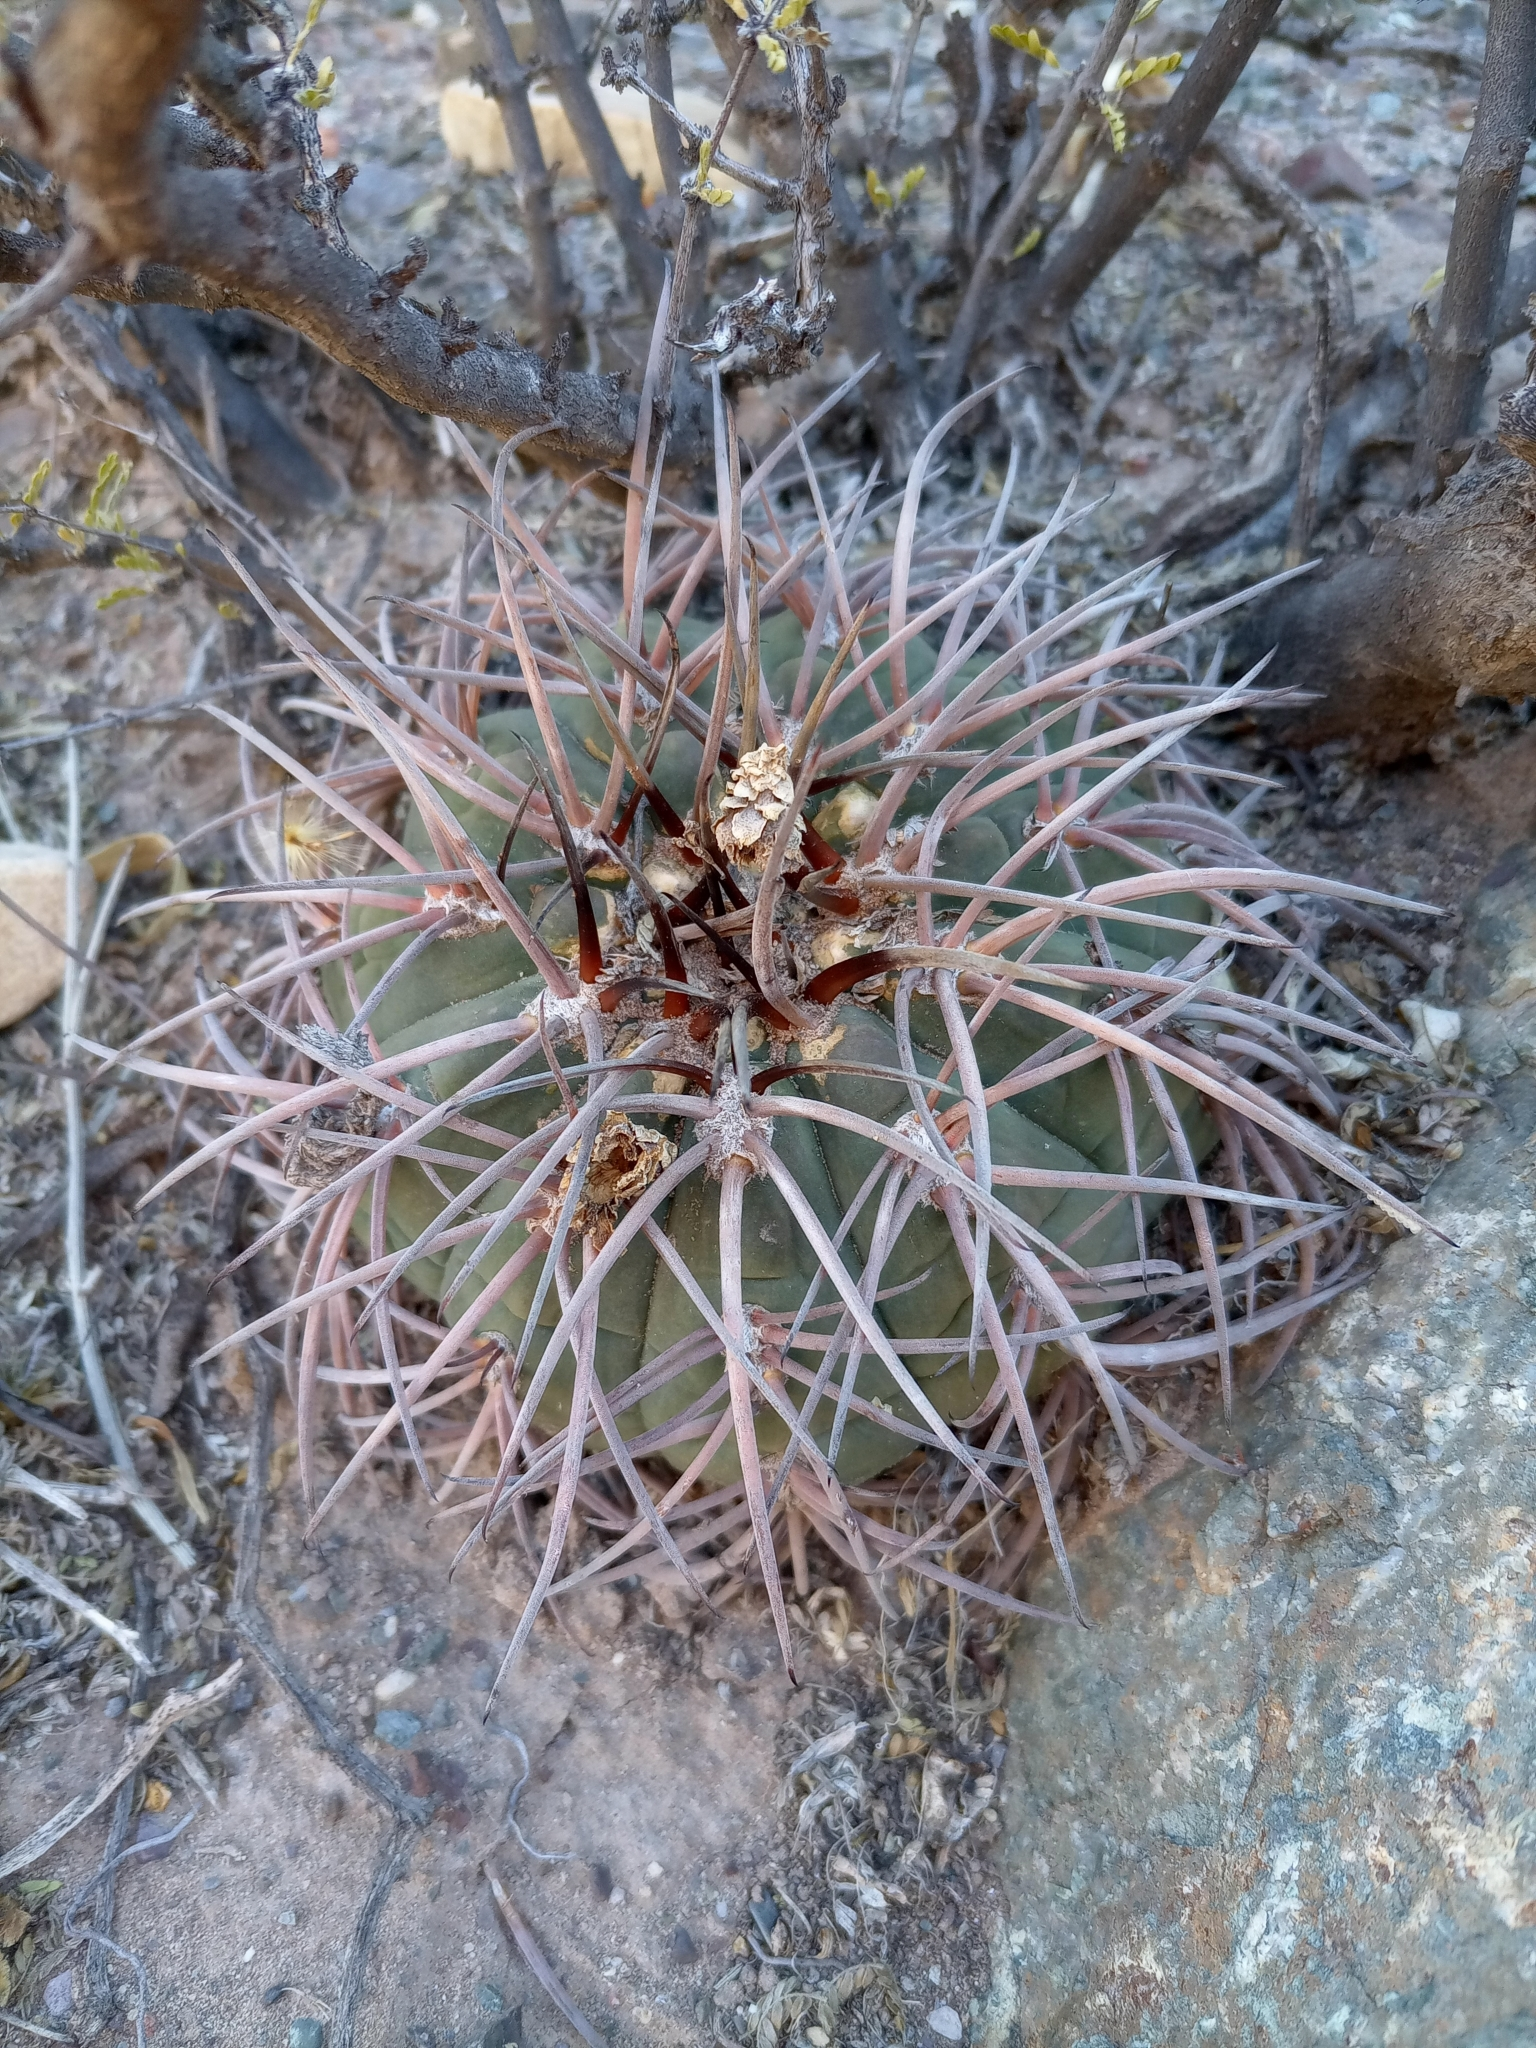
{"x":1130,"y":192}
{"x":1487,"y":191}
{"x":173,"y":221}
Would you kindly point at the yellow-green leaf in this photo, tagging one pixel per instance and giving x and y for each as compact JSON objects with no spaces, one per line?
{"x":1435,"y":279}
{"x":228,"y":609}
{"x":138,"y":559}
{"x":876,"y":190}
{"x":1116,"y":123}
{"x":773,"y":53}
{"x":323,"y":91}
{"x":790,"y":13}
{"x":1030,"y":241}
{"x":1149,"y":67}
{"x":703,"y":186}
{"x":1145,"y":12}
{"x":1027,"y":40}
{"x":111,"y":481}
{"x":117,"y":596}
{"x":312,"y":15}
{"x":910,"y":182}
{"x":36,"y":481}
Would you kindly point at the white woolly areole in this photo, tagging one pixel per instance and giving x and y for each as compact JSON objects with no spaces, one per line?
{"x":724,"y":1133}
{"x":561,"y":1015}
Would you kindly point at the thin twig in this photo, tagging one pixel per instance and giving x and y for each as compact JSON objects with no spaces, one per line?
{"x":249,"y":1620}
{"x":126,"y":1639}
{"x":102,"y":1166}
{"x":98,"y":1982}
{"x":14,"y":2019}
{"x":389,"y":1870}
{"x":533,"y":1956}
{"x":174,"y":1707}
{"x":980,"y":291}
{"x":76,"y":983}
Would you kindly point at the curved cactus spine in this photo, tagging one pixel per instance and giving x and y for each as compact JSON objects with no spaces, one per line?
{"x":821,"y":1031}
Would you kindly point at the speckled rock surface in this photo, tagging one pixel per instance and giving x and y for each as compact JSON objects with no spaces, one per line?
{"x":1282,"y":1791}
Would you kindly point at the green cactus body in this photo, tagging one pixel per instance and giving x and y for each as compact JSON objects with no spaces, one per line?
{"x":1072,"y":1124}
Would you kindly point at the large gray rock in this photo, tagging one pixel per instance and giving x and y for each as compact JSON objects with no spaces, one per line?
{"x":1281,"y":1792}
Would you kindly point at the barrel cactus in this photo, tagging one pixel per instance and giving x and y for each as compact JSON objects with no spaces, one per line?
{"x":769,"y":1072}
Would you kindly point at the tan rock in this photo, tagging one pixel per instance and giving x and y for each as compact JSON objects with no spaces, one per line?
{"x":31,"y":969}
{"x":473,"y":131}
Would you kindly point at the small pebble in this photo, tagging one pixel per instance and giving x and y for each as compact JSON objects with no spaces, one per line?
{"x":117,"y":1706}
{"x":211,"y":1884}
{"x":684,"y":1948}
{"x":935,"y":1975}
{"x":489,"y":1999}
{"x":273,"y":1993}
{"x":722,"y":1910}
{"x":59,"y":1995}
{"x":397,"y":1729}
{"x":287,"y":1919}
{"x":1329,"y":172}
{"x":249,"y":1956}
{"x":945,"y":2022}
{"x":242,"y":1699}
{"x":765,"y":1916}
{"x":1383,"y":106}
{"x":153,"y":1828}
{"x":442,"y":1714}
{"x":616,"y":1896}
{"x":393,"y":1683}
{"x":653,"y":1871}
{"x":427,"y":1649}
{"x":311,"y":2034}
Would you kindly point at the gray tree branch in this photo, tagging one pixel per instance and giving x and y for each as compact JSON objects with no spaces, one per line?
{"x":618,"y":191}
{"x":508,"y":80}
{"x":1129,"y":194}
{"x":1487,"y":191}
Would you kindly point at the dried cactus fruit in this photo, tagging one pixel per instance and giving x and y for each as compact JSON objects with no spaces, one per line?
{"x":819,"y":1040}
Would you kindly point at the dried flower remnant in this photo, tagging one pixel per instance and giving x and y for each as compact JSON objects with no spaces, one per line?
{"x":626,"y":1158}
{"x":316,"y":1152}
{"x":759,"y":791}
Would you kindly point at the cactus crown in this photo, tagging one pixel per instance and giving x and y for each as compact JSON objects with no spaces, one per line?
{"x":774,"y":1073}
